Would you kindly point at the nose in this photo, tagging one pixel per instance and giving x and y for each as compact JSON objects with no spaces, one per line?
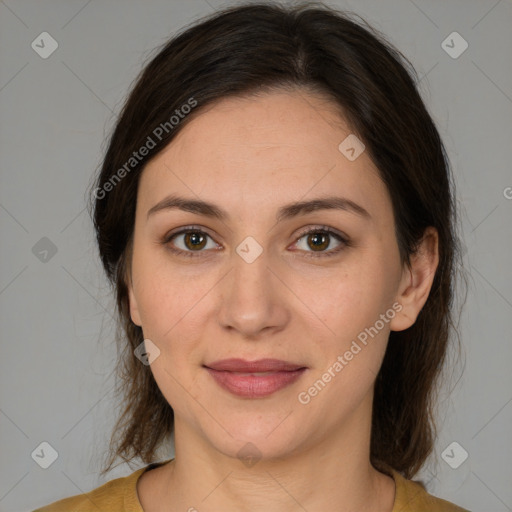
{"x":254,"y":299}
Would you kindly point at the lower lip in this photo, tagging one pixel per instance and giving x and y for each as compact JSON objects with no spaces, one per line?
{"x":254,"y":386}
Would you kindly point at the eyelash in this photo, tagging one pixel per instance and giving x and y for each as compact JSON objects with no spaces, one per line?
{"x":322,"y":229}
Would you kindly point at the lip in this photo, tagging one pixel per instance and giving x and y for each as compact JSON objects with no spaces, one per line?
{"x":238,"y":376}
{"x":260,"y":365}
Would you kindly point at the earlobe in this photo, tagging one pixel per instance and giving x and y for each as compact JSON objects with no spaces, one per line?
{"x":417,"y":281}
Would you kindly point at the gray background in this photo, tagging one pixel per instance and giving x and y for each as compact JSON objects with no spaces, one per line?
{"x":57,"y":352}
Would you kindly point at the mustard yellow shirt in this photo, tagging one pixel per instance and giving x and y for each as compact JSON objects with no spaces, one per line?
{"x":120,"y":495}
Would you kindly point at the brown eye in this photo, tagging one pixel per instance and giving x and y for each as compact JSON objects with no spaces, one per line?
{"x":194,"y":240}
{"x":318,"y":240}
{"x":189,"y":242}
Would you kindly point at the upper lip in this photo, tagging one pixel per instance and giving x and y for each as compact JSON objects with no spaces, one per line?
{"x":260,"y":365}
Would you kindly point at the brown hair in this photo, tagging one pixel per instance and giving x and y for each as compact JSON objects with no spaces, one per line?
{"x":261,"y":47}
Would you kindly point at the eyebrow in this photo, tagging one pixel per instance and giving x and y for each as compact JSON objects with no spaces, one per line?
{"x":284,"y":213}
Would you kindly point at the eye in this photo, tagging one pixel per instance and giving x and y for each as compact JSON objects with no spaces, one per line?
{"x":188,"y":241}
{"x":320,"y":239}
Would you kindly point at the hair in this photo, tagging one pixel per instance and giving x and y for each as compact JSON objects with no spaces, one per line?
{"x":262,"y":47}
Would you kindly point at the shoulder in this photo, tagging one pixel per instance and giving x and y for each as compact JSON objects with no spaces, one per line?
{"x":411,"y":496}
{"x":115,"y":495}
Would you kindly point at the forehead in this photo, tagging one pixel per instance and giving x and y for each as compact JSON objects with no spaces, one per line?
{"x":275,"y":147}
{"x":296,"y":124}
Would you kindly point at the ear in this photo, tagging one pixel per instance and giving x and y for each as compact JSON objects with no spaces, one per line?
{"x":417,"y":280}
{"x":134,"y":308}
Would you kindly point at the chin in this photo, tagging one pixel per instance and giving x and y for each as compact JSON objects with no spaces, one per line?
{"x":257,"y":438}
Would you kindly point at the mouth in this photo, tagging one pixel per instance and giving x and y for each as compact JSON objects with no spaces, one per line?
{"x":254,"y":379}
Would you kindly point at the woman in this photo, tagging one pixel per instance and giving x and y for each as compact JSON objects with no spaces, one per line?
{"x":276,"y":212}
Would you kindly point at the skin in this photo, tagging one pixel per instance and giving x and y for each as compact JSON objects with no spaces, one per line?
{"x":250,"y":156}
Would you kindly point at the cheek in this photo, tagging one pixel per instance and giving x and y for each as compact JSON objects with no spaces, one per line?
{"x":347,"y":360}
{"x":172,"y":315}
{"x":350,"y":305}
{"x":174,"y":310}
{"x":349,"y":300}
{"x":167,"y":297}
{"x":158,"y":305}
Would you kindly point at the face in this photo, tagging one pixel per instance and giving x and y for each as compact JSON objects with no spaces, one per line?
{"x":254,"y":284}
